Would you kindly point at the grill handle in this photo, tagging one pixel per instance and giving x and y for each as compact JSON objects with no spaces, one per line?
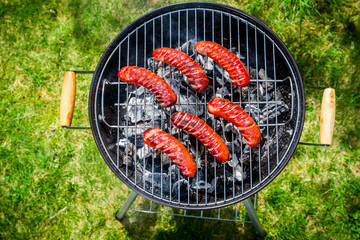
{"x":327,"y":116}
{"x":67,"y":99}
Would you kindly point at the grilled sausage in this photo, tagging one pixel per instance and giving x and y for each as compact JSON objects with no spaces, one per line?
{"x":191,"y":69}
{"x":203,"y":132}
{"x":231,"y":112}
{"x":168,"y":144}
{"x":155,"y":84}
{"x":225,"y":58}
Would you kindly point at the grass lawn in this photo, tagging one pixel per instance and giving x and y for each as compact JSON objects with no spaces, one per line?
{"x":45,"y":170}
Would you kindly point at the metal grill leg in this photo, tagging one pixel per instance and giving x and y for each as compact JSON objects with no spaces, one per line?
{"x":125,"y":207}
{"x":253,"y":216}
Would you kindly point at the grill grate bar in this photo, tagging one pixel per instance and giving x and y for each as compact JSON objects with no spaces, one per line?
{"x":196,"y":114}
{"x":212,"y":38}
{"x":267,"y":109}
{"x":276,"y":127}
{"x":136,"y":94}
{"x":187,"y":95}
{"x":252,"y":80}
{"x":162,"y":156}
{"x":232,"y":127}
{"x":144,"y":101}
{"x":260,"y":125}
{"x":257,"y":95}
{"x":206,"y":114}
{"x":171,"y":85}
{"x":201,"y":103}
{"x":248,"y":69}
{"x":178,"y":102}
{"x":118,"y":119}
{"x":127,"y":102}
{"x":240,"y":97}
{"x":223,"y":85}
{"x":152,"y":158}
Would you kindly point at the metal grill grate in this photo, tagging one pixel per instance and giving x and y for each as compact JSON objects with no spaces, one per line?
{"x":121,"y":110}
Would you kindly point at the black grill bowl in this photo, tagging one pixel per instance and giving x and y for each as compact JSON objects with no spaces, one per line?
{"x":279,"y":92}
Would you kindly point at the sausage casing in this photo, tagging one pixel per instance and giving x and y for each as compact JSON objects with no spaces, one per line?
{"x":225,"y":58}
{"x":168,"y":144}
{"x":233,"y":113}
{"x":155,"y":84}
{"x":191,"y":69}
{"x":203,"y":132}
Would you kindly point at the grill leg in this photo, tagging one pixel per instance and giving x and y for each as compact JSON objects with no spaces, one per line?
{"x":125,"y":207}
{"x":254,"y":218}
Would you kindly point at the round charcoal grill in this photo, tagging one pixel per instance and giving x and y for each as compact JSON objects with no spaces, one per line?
{"x":120,"y":112}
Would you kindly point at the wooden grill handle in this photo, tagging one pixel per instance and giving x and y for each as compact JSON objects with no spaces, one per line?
{"x":327,"y":116}
{"x":67,"y":99}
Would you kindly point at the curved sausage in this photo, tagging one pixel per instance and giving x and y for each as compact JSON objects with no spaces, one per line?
{"x":225,"y":58}
{"x":191,"y":69}
{"x":233,"y":113}
{"x":155,"y":84}
{"x":203,"y":132}
{"x":168,"y":144}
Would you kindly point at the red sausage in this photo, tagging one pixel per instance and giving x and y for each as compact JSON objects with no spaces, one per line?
{"x":225,"y":58}
{"x":233,"y":113}
{"x":168,"y":144}
{"x":203,"y":132}
{"x":155,"y":84}
{"x":191,"y":69}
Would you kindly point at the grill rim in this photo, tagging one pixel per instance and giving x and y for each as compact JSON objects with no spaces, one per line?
{"x":183,"y":6}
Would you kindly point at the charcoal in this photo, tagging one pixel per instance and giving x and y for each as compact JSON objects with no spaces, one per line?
{"x":201,"y":184}
{"x":181,"y":185}
{"x":231,"y":133}
{"x":187,"y":100}
{"x":206,"y":63}
{"x":252,"y":73}
{"x":138,"y":92}
{"x":143,"y":152}
{"x":196,"y":149}
{"x":222,"y":92}
{"x":214,"y":181}
{"x":153,"y":65}
{"x":238,"y":173}
{"x":266,"y":101}
{"x":168,"y":72}
{"x":189,"y":48}
{"x":223,"y":75}
{"x":123,"y":143}
{"x":262,"y":74}
{"x":233,"y":161}
{"x":140,"y":109}
{"x":155,"y":179}
{"x":198,"y":182}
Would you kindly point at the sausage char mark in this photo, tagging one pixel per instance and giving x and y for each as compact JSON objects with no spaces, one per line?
{"x":233,"y":113}
{"x":191,"y":69}
{"x":228,"y":60}
{"x":168,"y":144}
{"x":203,"y":132}
{"x":155,"y":84}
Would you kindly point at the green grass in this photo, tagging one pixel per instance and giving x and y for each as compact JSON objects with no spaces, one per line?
{"x":45,"y":168}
